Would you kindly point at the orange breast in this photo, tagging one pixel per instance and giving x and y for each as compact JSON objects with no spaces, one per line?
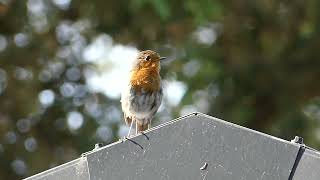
{"x":147,"y":79}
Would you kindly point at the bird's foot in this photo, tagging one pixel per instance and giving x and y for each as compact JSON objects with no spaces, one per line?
{"x":144,"y":134}
{"x":125,"y":138}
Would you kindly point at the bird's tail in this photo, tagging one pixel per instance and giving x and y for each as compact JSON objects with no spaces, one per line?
{"x":127,"y":119}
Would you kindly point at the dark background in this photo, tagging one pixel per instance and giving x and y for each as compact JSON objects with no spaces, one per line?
{"x":254,"y":63}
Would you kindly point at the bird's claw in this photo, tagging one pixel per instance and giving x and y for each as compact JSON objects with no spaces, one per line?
{"x":124,"y":138}
{"x":144,"y":134}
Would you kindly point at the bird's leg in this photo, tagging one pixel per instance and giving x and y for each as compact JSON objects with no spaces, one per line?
{"x":137,"y":131}
{"x":130,"y":129}
{"x":143,"y":128}
{"x":149,"y":124}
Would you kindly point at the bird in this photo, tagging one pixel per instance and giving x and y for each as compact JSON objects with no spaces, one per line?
{"x":142,"y":95}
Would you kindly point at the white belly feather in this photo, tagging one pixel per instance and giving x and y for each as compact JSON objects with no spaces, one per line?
{"x":141,"y":107}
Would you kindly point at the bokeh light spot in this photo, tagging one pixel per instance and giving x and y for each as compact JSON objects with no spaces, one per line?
{"x":104,"y":133}
{"x":73,"y":74}
{"x":46,"y":97}
{"x":11,"y":137}
{"x":123,"y":130}
{"x":74,"y":120}
{"x":24,"y":125}
{"x":112,"y":81}
{"x":23,"y":74}
{"x":19,"y":167}
{"x":21,"y":40}
{"x":67,"y":89}
{"x":30,"y":144}
{"x":174,"y":91}
{"x":99,"y":49}
{"x":191,"y":68}
{"x":36,"y":6}
{"x":206,"y":35}
{"x":62,"y":4}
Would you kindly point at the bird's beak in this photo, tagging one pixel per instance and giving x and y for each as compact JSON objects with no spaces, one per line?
{"x":163,"y":58}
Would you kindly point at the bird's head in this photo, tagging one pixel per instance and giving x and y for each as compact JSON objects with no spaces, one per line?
{"x":148,"y":59}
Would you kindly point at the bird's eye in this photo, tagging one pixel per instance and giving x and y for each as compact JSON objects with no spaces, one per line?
{"x":148,"y":58}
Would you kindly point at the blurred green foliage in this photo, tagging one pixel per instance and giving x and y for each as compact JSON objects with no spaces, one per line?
{"x":254,"y":63}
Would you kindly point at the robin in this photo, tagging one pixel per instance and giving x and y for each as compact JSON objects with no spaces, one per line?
{"x":142,"y":96}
